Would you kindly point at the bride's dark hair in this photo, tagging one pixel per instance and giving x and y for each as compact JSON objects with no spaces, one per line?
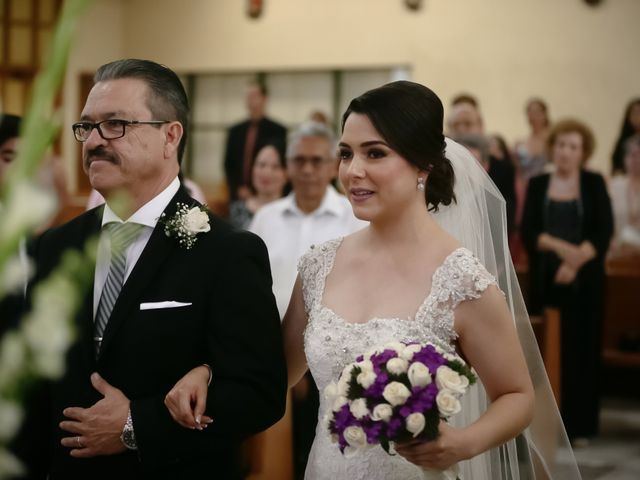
{"x":409,"y":117}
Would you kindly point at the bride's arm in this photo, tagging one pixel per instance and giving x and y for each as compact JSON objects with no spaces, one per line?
{"x":293,"y":325}
{"x":488,"y":339}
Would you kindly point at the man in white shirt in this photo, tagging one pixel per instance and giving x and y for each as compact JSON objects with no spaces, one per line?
{"x":312,"y":213}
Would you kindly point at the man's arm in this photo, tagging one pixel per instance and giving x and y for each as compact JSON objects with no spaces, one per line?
{"x":244,"y":344}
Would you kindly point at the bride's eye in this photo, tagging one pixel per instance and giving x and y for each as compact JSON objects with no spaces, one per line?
{"x":376,"y":153}
{"x":344,"y":154}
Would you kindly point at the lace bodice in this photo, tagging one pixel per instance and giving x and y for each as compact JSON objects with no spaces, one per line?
{"x":330,"y":343}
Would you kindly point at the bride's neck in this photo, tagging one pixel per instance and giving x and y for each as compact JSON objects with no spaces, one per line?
{"x":406,"y":230}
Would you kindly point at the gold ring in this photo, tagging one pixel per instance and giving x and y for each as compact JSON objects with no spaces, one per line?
{"x":78,"y":441}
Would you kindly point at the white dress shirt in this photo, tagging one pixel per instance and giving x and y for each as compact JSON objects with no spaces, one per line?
{"x":288,"y":233}
{"x":146,"y":215}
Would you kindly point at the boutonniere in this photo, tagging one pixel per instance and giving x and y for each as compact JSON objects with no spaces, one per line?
{"x":186,"y":224}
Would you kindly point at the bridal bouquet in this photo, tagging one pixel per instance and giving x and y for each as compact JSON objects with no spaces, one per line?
{"x":395,"y":393}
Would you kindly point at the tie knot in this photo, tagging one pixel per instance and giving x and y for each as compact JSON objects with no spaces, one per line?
{"x":122,"y":234}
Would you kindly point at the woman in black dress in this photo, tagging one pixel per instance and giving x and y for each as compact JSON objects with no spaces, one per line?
{"x":566,"y":226}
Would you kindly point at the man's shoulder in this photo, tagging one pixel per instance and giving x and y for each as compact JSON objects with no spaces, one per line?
{"x":273,"y":125}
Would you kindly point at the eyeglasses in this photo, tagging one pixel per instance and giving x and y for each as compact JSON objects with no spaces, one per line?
{"x":315,"y":162}
{"x":108,"y":129}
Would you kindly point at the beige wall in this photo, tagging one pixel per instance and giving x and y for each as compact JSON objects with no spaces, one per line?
{"x":582,"y":60}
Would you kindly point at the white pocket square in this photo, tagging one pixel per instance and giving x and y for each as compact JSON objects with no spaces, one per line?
{"x":157,"y":305}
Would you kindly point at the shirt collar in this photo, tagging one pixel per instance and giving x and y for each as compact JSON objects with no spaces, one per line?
{"x":149,"y":213}
{"x":331,"y":204}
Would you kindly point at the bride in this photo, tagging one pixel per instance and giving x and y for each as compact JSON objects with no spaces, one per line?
{"x":432,"y":266}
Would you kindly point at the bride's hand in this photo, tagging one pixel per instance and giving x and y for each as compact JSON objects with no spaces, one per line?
{"x":440,"y":454}
{"x":187,"y":400}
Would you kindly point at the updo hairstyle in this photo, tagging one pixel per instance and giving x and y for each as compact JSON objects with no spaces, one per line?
{"x":409,"y":117}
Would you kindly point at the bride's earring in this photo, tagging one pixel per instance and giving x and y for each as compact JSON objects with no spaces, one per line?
{"x":421,"y":181}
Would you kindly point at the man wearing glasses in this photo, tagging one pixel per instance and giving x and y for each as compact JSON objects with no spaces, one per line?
{"x":160,"y":305}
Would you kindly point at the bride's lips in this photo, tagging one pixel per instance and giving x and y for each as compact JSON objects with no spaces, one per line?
{"x":360,"y":194}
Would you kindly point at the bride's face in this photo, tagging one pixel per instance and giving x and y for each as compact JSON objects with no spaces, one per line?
{"x":378,"y":182}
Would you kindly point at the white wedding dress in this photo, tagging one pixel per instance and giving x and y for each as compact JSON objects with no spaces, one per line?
{"x":331,"y":342}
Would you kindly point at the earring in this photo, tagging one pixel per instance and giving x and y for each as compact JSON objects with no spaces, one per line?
{"x":421,"y":184}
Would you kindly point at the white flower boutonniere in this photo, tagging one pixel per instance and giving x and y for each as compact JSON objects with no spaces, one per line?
{"x":186,"y":223}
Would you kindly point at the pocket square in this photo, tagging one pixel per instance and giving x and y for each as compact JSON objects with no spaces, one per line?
{"x":157,"y":305}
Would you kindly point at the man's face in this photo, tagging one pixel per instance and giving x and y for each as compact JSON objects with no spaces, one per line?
{"x":465,"y":120}
{"x":7,"y":155}
{"x":311,"y":168}
{"x":138,"y":163}
{"x":256,"y":102}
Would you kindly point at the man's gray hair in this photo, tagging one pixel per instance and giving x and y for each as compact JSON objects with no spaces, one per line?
{"x":310,"y":129}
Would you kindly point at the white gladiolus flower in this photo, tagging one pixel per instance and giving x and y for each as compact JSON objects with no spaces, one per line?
{"x":410,"y":350}
{"x":382,"y":412}
{"x":355,"y":437}
{"x":447,"y":403}
{"x":396,"y":393}
{"x":10,"y":466}
{"x":419,"y":375}
{"x":10,"y":419}
{"x":359,"y":408}
{"x":27,"y":207}
{"x":397,"y":366}
{"x":12,"y":358}
{"x":449,"y":379}
{"x":415,"y":423}
{"x":15,"y":275}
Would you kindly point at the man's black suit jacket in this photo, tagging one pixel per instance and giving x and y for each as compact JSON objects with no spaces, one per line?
{"x":232,"y":324}
{"x":234,"y":152}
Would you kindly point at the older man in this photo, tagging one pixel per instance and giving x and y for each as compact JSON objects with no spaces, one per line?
{"x":312,"y":213}
{"x":167,"y":296}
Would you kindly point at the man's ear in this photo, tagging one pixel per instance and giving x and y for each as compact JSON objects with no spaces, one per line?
{"x":173,"y":136}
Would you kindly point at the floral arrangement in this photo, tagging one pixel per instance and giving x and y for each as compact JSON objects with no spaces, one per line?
{"x":396,"y":393}
{"x":186,"y":224}
{"x":37,"y":348}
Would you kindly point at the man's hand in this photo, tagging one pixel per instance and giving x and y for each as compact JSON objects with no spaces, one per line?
{"x":96,"y":430}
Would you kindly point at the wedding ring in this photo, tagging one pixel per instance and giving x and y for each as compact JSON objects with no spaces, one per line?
{"x":78,"y":441}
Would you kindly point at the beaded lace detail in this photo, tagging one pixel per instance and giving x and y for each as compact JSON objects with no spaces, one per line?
{"x":331,"y":342}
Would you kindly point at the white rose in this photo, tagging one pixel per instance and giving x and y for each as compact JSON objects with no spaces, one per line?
{"x":396,"y":393}
{"x":355,"y":437}
{"x":382,"y":412}
{"x":397,"y":366}
{"x":343,"y":385}
{"x":365,"y":365}
{"x":447,"y":403}
{"x":454,"y":358}
{"x":359,"y":408}
{"x":366,"y":378}
{"x":196,"y":221}
{"x":449,"y":379}
{"x":372,"y":352}
{"x":419,"y":374}
{"x":415,"y":423}
{"x":410,"y":350}
{"x":330,"y":392}
{"x":397,"y":346}
{"x":339,"y":402}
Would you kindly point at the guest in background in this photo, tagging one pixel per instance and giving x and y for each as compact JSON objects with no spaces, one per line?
{"x":311,"y":214}
{"x":243,"y":140}
{"x":625,"y":198}
{"x":268,"y":182}
{"x":9,"y":131}
{"x":465,"y":119}
{"x":566,"y":227}
{"x":530,"y":153}
{"x":630,"y":126}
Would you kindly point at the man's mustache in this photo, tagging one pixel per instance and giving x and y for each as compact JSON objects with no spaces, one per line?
{"x":99,"y":153}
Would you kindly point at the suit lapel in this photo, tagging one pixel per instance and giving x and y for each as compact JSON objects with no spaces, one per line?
{"x":158,"y":248}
